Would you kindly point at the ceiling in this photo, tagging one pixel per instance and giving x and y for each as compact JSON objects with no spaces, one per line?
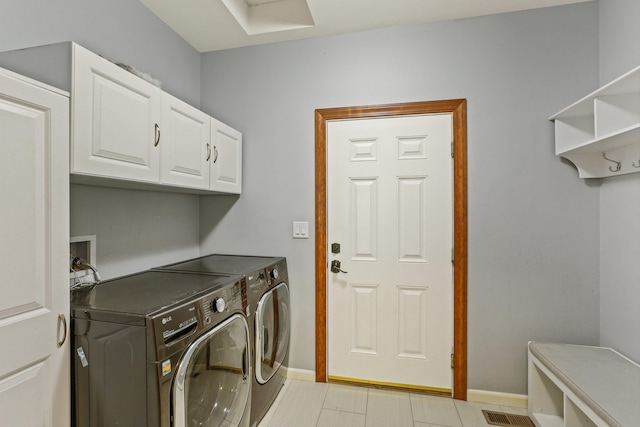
{"x":210,"y":25}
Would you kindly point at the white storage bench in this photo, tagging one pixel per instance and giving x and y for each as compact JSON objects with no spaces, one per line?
{"x":572,"y":385}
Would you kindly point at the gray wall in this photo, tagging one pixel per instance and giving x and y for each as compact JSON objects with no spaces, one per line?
{"x":135,"y":230}
{"x":533,"y":224}
{"x":620,"y":196}
{"x":619,"y":38}
{"x":120,"y":30}
{"x":619,"y":266}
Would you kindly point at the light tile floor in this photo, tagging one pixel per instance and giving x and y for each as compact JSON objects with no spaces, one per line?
{"x":303,"y":403}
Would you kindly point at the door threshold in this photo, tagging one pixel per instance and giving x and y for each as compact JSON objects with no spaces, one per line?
{"x":380,"y":385}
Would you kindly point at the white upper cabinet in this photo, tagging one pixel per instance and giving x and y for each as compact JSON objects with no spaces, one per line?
{"x":116,"y":121}
{"x":126,"y":132}
{"x":185,"y":144}
{"x":226,"y":161}
{"x":600,"y":133}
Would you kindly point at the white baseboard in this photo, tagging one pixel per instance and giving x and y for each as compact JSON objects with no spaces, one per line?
{"x":299,"y":374}
{"x":496,"y":398}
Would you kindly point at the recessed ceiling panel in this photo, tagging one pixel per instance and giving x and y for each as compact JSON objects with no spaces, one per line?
{"x":268,"y":16}
{"x":210,"y":25}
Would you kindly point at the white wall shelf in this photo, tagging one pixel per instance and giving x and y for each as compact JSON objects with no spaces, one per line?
{"x":607,"y":122}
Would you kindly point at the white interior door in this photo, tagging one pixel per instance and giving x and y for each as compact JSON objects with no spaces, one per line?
{"x":34,"y":255}
{"x":390,"y":187}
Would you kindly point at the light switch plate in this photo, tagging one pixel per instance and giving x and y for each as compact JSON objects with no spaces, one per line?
{"x":300,"y":230}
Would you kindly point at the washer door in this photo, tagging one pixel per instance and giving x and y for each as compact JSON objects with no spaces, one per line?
{"x":211,"y":387}
{"x":272,"y":332}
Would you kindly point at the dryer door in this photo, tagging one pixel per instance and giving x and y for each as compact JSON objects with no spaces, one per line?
{"x":272,"y":332}
{"x":212,"y":387}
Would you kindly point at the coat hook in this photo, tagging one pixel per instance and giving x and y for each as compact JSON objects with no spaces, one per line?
{"x":618,"y":164}
{"x":634,"y":164}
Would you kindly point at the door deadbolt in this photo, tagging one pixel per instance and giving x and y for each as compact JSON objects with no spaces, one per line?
{"x":335,"y":267}
{"x":335,"y":248}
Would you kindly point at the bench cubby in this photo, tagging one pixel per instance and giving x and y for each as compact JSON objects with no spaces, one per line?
{"x":582,"y":386}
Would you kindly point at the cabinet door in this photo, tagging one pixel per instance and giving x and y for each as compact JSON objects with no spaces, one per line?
{"x":115,"y":121}
{"x":226,"y":160}
{"x":34,"y":262}
{"x":185,"y":148}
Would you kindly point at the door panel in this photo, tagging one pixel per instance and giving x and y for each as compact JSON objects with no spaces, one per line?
{"x":364,"y":319}
{"x":26,"y":402}
{"x":364,"y":219}
{"x":390,"y":207}
{"x":412,"y":325}
{"x":34,"y":280}
{"x":411,"y":214}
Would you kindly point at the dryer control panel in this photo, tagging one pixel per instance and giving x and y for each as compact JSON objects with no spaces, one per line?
{"x":217,"y":305}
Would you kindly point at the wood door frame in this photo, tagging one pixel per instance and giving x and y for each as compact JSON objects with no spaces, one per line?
{"x":458,"y":110}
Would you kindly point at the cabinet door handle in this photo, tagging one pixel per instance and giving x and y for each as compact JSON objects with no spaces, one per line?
{"x":62,"y":321}
{"x":208,"y":151}
{"x":215,"y":154}
{"x":157,"y":130}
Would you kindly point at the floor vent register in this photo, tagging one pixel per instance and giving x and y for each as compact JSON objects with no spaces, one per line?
{"x":508,"y":420}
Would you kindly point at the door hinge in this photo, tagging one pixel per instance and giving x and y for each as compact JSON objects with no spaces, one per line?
{"x":452,"y":256}
{"x":451,"y":360}
{"x":451,"y":148}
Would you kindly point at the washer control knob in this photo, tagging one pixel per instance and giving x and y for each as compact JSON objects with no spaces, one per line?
{"x":218,"y":305}
{"x":274,"y":273}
